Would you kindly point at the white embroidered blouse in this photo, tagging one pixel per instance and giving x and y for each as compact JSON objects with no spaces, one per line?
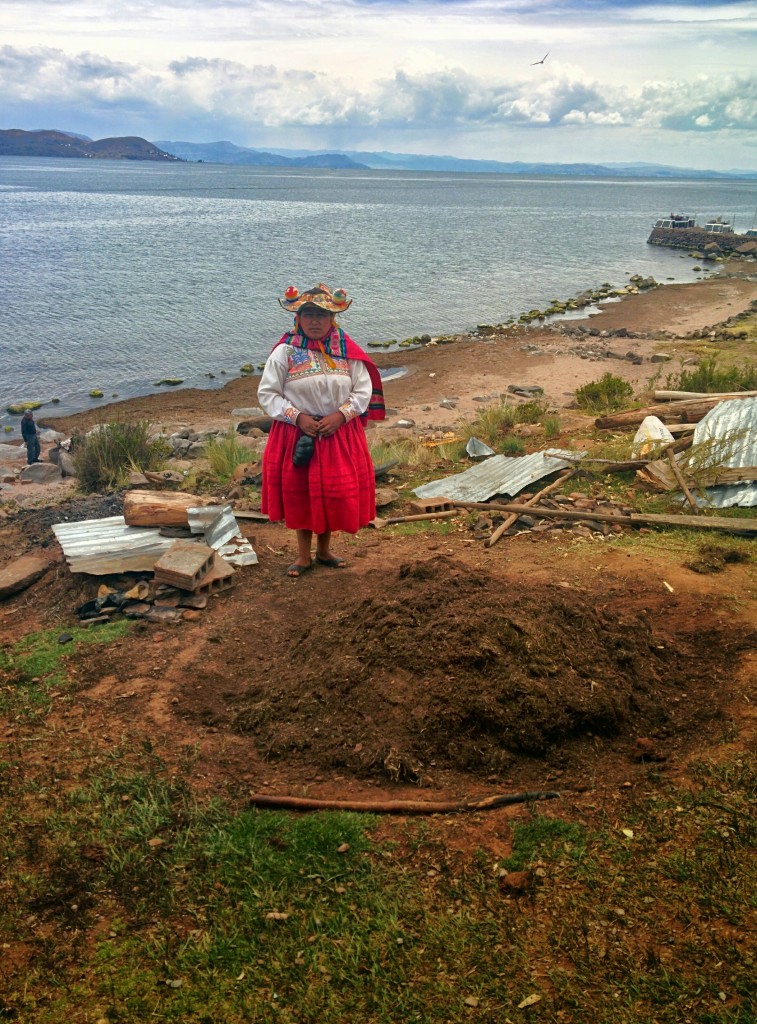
{"x":299,"y":380}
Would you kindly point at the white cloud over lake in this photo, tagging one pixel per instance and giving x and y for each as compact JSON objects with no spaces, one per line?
{"x":665,"y":82}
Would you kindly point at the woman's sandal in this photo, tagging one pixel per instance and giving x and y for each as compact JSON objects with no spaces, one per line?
{"x":295,"y":570}
{"x":331,"y":563}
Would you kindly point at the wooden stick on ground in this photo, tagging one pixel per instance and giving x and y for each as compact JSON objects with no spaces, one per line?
{"x":747,"y":527}
{"x":296,"y":803}
{"x":513,"y":517}
{"x":681,"y":482}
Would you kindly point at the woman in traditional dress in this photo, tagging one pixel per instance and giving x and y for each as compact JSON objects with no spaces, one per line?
{"x":318,"y":387}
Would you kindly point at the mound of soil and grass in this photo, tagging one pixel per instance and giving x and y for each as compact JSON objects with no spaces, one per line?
{"x":445,"y":667}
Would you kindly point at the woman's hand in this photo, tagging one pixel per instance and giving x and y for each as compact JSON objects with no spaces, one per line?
{"x":308,"y":424}
{"x":330,"y":424}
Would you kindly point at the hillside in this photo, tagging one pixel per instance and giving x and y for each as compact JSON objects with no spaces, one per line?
{"x":229,"y":153}
{"x":15,"y":142}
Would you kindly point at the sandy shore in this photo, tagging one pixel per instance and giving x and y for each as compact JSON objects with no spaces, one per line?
{"x":472,"y":369}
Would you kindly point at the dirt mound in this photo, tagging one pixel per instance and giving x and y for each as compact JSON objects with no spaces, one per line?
{"x":35,"y":524}
{"x":448,"y":666}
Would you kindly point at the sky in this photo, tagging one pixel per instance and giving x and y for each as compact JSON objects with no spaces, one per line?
{"x":671,"y":81}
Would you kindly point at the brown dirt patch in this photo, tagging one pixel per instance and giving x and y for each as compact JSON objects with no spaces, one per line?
{"x":423,"y":664}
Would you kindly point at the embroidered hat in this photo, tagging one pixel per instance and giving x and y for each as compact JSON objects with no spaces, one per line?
{"x":319,"y":295}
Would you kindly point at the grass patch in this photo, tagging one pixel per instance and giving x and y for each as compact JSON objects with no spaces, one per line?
{"x":415,"y":454}
{"x":607,"y":394}
{"x":494,"y":423}
{"x":37,"y":664}
{"x":224,"y":453}
{"x":551,"y":427}
{"x":711,"y":376}
{"x":105,"y":456}
{"x":189,"y":910}
{"x":544,"y":838}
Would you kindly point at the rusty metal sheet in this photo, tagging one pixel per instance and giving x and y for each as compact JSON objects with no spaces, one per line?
{"x":499,"y":474}
{"x":105,"y":546}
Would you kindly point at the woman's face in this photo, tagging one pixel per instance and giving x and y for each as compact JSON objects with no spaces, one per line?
{"x":315,"y":322}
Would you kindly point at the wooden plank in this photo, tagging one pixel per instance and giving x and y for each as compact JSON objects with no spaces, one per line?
{"x":513,"y":518}
{"x":682,"y":396}
{"x":747,"y":527}
{"x":690,"y":411}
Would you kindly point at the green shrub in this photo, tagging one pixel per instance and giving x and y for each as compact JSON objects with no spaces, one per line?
{"x":604,"y":395}
{"x":512,"y":446}
{"x":105,"y":456}
{"x":529,"y":412}
{"x":495,"y":421}
{"x":709,"y":377}
{"x":225,"y":453}
{"x":551,"y":426}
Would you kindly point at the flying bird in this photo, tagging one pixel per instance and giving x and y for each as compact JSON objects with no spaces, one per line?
{"x":542,"y":60}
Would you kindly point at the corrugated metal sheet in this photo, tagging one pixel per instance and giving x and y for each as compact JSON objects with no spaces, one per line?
{"x":104,"y":546}
{"x":222,"y":533}
{"x":499,"y":475}
{"x":217,"y":522}
{"x":732,"y":428}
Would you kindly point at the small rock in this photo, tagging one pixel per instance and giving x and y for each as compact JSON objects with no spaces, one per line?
{"x":248,"y":472}
{"x":525,"y":390}
{"x":137,"y":611}
{"x":261,"y":422}
{"x":163,"y":614}
{"x":407,"y":424}
{"x":386,"y":496}
{"x":21,"y":573}
{"x":646,"y":750}
{"x":40,"y":473}
{"x":518,"y":882}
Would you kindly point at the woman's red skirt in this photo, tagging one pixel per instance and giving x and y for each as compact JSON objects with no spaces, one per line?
{"x":336,"y":490}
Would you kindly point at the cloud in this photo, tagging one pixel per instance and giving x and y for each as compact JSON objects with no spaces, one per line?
{"x":213,"y":91}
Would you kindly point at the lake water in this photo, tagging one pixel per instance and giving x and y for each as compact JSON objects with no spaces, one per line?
{"x":114,"y":275}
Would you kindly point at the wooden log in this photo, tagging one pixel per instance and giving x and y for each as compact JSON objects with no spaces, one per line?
{"x":675,"y":396}
{"x":659,"y":475}
{"x":690,"y":411}
{"x":159,"y":508}
{"x":609,"y":465}
{"x":296,"y":803}
{"x":747,"y":527}
{"x":513,"y":518}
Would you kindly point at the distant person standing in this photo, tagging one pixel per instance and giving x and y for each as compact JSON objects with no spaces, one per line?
{"x":30,"y":435}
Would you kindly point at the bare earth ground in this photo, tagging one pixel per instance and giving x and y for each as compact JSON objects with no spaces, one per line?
{"x":431,"y":667}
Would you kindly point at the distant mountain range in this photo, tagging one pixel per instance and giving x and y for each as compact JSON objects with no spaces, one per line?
{"x":229,"y":153}
{"x":15,"y":142}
